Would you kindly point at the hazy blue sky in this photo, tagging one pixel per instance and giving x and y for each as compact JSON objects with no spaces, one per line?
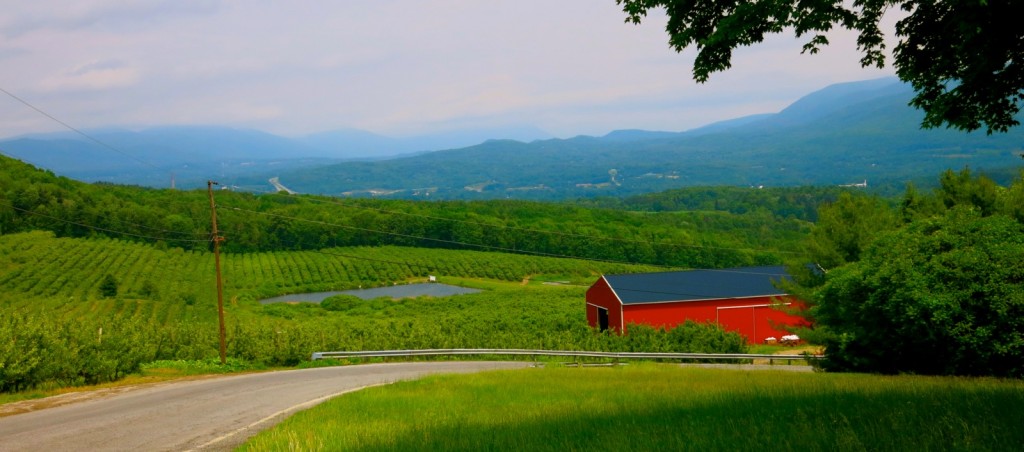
{"x":396,"y":67}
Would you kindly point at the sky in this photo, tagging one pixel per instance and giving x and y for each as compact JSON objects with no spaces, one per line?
{"x":393,"y":67}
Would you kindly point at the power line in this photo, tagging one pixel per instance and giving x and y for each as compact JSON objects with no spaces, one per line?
{"x":170,"y":231}
{"x":386,"y":261}
{"x":449,"y":242}
{"x":86,"y":135}
{"x":142,"y":226}
{"x":97,"y":228}
{"x":429,"y":267}
{"x":371,"y":259}
{"x":480,"y":246}
{"x":540,"y":231}
{"x":392,"y":212}
{"x":83,"y":134}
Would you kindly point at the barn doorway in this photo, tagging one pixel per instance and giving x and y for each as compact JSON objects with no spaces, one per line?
{"x":602,"y":318}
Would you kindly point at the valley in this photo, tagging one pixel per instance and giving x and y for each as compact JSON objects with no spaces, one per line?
{"x":857,"y":131}
{"x":102,"y":282}
{"x":512,"y":225}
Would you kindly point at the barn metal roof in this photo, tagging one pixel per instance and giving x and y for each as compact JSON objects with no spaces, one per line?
{"x":693,"y":285}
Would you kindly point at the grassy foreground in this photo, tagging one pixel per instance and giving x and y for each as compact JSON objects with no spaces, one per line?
{"x":652,"y":407}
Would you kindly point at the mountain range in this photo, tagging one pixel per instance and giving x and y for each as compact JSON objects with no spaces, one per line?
{"x":843,"y":134}
{"x":859,"y":133}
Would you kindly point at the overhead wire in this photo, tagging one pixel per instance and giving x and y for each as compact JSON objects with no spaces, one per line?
{"x":392,"y":212}
{"x":77,"y":131}
{"x":434,"y":267}
{"x":334,"y":201}
{"x":80,"y":132}
{"x":479,"y":246}
{"x":108,"y":230}
{"x":155,"y":229}
{"x":379,"y":260}
{"x":436,"y":240}
{"x":370,"y":259}
{"x":541,"y":231}
{"x":387,"y":261}
{"x":169,"y":231}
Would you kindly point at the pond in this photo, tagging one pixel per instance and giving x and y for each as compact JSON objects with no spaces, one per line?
{"x":402,"y":291}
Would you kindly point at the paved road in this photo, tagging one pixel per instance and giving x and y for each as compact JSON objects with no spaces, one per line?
{"x":211,"y":414}
{"x":276,"y":182}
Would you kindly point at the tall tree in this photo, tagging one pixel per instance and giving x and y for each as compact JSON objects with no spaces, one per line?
{"x":964,"y":58}
{"x":846,"y":227}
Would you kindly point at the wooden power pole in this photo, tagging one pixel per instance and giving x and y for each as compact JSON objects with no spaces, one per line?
{"x":220,"y":282}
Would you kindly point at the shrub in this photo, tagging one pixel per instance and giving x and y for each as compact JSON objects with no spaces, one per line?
{"x":940,"y":296}
{"x":108,"y":288}
{"x":341,"y":302}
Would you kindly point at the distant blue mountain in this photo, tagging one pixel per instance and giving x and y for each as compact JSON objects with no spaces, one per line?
{"x":360,"y":144}
{"x":67,"y":152}
{"x":194,"y":154}
{"x":840,"y":134}
{"x":722,"y":126}
{"x":834,"y":99}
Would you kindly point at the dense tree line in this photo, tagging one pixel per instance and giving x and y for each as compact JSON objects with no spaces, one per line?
{"x":744,"y":233}
{"x":934,"y":285}
{"x":801,"y":203}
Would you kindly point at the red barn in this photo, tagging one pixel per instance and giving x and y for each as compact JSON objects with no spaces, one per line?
{"x":739,"y":299}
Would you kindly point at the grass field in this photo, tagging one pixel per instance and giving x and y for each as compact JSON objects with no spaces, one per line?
{"x":659,"y":407}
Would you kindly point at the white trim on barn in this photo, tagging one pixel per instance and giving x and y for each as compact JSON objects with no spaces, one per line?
{"x":701,"y":299}
{"x":753,"y":306}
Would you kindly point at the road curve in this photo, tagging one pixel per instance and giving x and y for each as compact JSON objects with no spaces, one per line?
{"x":210,"y":414}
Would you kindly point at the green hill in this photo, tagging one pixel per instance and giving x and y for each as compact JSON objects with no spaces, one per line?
{"x":842,"y":134}
{"x":706,"y":236}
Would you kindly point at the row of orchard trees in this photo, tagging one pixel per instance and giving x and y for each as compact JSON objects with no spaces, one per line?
{"x":39,"y":349}
{"x":78,"y":311}
{"x":153,"y":281}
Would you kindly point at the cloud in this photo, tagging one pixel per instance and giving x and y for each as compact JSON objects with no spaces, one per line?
{"x":91,"y":76}
{"x":392,"y":66}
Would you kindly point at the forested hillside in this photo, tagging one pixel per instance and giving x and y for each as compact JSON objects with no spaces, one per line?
{"x":739,"y":228}
{"x":801,"y":203}
{"x":843,"y":134}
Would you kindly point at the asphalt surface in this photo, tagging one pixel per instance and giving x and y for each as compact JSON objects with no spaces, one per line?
{"x":210,"y":414}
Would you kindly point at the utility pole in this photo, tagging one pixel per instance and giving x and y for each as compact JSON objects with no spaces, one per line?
{"x":220,"y":283}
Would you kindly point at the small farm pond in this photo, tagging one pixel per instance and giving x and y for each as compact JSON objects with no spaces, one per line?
{"x":402,"y":291}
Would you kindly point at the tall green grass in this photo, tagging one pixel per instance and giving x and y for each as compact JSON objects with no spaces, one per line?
{"x":650,"y":407}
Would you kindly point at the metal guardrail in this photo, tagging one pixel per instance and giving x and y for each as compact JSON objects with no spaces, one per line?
{"x":579,"y":354}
